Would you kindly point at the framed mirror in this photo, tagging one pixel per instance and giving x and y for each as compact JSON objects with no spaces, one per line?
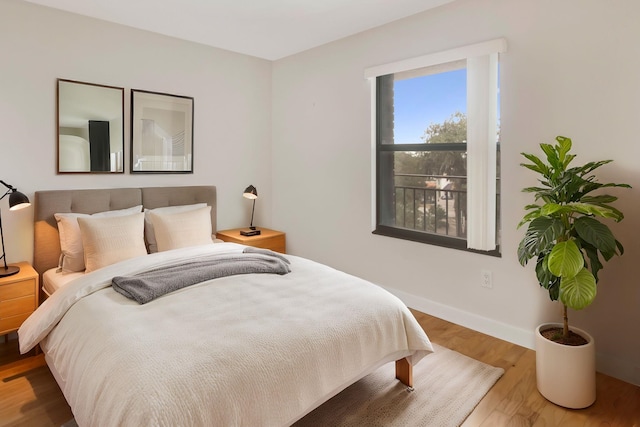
{"x":90,"y":128}
{"x":161,"y":132}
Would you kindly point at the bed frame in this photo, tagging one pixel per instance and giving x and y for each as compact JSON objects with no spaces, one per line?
{"x":47,"y":240}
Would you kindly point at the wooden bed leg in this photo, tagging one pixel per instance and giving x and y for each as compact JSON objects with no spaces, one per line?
{"x":404,"y":372}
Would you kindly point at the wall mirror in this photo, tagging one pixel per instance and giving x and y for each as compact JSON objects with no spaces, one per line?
{"x":90,"y":128}
{"x":161,"y":132}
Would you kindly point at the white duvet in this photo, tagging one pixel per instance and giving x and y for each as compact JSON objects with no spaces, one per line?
{"x":247,"y":350}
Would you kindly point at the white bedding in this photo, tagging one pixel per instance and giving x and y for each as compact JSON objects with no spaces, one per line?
{"x":247,"y":350}
{"x":54,"y":279}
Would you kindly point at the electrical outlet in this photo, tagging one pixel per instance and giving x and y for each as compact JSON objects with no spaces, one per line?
{"x":486,"y":279}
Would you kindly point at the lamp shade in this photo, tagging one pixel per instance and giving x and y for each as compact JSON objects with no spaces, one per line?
{"x":18,"y":200}
{"x":250,"y":192}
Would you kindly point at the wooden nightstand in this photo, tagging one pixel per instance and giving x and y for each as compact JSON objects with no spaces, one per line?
{"x":18,"y":297}
{"x":268,"y":239}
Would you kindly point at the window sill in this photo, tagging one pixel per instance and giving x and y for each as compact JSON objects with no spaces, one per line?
{"x":431,"y":239}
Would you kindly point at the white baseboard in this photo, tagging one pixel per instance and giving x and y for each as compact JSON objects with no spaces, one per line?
{"x":485,"y":325}
{"x":606,"y":364}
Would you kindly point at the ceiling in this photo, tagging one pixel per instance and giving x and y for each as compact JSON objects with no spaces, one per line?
{"x":269,"y":29}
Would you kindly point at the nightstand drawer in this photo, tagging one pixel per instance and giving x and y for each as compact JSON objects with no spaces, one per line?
{"x":12,"y":323}
{"x":16,"y":306}
{"x":18,"y":297}
{"x":276,"y":244}
{"x":18,"y":289}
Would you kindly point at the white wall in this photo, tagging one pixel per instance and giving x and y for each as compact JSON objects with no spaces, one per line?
{"x":571,"y":69}
{"x":232,"y":100}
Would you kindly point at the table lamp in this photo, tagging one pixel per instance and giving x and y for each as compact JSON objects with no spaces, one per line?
{"x":252,"y":194}
{"x":17,"y":200}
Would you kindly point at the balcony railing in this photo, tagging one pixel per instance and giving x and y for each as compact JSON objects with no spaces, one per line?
{"x":431,"y":210}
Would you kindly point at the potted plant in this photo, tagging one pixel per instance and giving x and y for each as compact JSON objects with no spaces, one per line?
{"x":570,"y":244}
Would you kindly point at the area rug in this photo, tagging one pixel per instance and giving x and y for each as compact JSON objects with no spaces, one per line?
{"x":447,"y":386}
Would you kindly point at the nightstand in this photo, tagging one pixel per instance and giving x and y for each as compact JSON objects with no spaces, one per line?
{"x":18,"y":297}
{"x":267,"y":239}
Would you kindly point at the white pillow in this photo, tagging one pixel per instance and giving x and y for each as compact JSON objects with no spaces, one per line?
{"x":108,"y":240}
{"x":179,"y":230}
{"x":149,"y":232}
{"x":72,"y":258}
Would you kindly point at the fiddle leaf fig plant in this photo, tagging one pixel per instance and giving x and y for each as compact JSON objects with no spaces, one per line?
{"x":564,"y":233}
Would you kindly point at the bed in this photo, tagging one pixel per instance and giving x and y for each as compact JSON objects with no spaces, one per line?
{"x":241,"y":350}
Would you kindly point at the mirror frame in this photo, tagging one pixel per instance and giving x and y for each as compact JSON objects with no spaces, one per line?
{"x":95,"y":111}
{"x":158,"y":120}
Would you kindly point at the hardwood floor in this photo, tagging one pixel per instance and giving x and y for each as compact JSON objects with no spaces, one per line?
{"x":29,"y":395}
{"x":515,"y":401}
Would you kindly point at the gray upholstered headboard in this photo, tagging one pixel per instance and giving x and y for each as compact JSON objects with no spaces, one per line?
{"x":47,"y":203}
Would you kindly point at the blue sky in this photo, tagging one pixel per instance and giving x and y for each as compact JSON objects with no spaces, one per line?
{"x":424,"y":100}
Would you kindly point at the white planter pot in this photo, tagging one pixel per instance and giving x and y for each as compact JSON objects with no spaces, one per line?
{"x":566,"y":375}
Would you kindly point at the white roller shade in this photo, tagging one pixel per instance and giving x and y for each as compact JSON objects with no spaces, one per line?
{"x":482,"y":96}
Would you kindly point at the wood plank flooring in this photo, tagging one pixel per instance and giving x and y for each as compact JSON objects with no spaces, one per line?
{"x":29,"y":395}
{"x":515,"y":401}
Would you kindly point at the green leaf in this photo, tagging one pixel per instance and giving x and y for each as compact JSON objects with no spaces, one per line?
{"x":594,"y":261}
{"x":552,"y":156}
{"x":546,"y":279}
{"x":565,"y":259}
{"x":528,"y":217}
{"x":551,"y":208}
{"x":534,"y":159}
{"x":523,"y":255}
{"x":581,"y":208}
{"x":534,"y":168}
{"x":596,"y":233}
{"x":554,"y":289}
{"x":590,"y":167}
{"x":578,"y":291}
{"x":564,"y":145}
{"x":598,"y":200}
{"x":568,"y":159}
{"x":607,"y":211}
{"x":534,"y":189}
{"x":538,"y":165}
{"x":533,"y":206}
{"x":541,"y":235}
{"x":612,"y":212}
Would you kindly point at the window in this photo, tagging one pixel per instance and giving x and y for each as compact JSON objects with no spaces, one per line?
{"x":436,"y":148}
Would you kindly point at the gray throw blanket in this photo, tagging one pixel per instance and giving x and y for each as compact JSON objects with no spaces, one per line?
{"x":151,"y":284}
